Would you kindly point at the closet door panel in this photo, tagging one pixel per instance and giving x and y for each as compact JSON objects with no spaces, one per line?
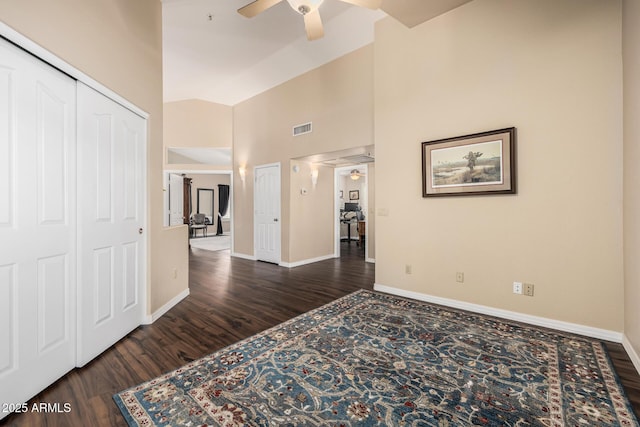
{"x":8,"y":324}
{"x":37,"y":224}
{"x":111,"y":147}
{"x":6,"y":146}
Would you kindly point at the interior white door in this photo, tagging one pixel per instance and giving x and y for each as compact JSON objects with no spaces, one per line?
{"x":176,"y":199}
{"x":266,"y":199}
{"x":37,"y":225}
{"x":111,"y":177}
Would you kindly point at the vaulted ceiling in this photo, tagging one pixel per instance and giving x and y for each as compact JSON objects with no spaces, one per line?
{"x":212,"y":53}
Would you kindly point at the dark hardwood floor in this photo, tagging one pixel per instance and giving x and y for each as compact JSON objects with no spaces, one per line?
{"x":230,"y":299}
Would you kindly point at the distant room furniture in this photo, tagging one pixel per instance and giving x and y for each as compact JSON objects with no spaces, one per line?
{"x":205,"y":204}
{"x":349,"y":215}
{"x":361,"y":232}
{"x":198,"y":222}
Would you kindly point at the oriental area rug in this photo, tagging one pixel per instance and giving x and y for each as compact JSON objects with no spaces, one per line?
{"x":371,"y":359}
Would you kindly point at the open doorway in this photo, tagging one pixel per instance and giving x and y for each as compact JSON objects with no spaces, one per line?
{"x":205,"y":201}
{"x":351,"y":209}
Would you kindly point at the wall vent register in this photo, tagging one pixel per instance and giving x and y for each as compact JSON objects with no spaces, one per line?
{"x":302,"y":129}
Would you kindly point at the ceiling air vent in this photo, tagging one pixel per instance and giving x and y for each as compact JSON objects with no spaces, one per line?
{"x":302,"y":129}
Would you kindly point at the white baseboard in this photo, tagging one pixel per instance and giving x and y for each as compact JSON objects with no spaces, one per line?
{"x":243,"y":256}
{"x":149,"y":319}
{"x":633,"y":355}
{"x":573,"y":328}
{"x":371,"y":260}
{"x":306,"y":261}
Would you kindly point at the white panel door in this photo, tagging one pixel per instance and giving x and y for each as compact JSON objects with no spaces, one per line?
{"x":266,"y":199}
{"x":176,"y":199}
{"x":111,"y":243}
{"x":37,"y":225}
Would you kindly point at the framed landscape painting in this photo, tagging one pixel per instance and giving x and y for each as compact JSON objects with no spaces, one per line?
{"x":482,"y":163}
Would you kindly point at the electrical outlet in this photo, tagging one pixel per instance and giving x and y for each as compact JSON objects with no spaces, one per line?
{"x":528,"y":289}
{"x":407,"y":269}
{"x":517,"y":288}
{"x":460,"y":277}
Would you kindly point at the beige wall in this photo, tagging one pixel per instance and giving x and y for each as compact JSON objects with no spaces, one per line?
{"x":119,"y":44}
{"x":195,"y":123}
{"x":338,"y":98}
{"x":631,"y":55}
{"x":311,"y":214}
{"x":552,"y":69}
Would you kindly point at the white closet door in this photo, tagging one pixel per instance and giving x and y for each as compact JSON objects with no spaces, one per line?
{"x":111,"y":243}
{"x":37,"y":225}
{"x":267,"y":213}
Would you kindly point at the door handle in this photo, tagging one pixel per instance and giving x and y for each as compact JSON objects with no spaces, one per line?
{"x":140,"y":230}
{"x":275,"y":219}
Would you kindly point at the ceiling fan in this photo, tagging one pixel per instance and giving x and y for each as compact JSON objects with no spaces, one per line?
{"x":307,"y":8}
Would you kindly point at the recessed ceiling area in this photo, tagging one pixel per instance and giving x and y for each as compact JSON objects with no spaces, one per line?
{"x":347,"y":157}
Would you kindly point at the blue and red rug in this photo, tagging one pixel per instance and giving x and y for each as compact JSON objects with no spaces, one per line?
{"x":371,"y":359}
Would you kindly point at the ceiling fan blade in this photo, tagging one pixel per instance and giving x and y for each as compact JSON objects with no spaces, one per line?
{"x":370,"y":4}
{"x":254,"y":8}
{"x":313,"y":25}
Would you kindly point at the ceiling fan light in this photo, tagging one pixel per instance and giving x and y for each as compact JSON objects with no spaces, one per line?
{"x":305,"y":6}
{"x":355,"y":175}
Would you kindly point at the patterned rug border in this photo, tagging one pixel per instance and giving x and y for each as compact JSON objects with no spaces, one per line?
{"x":611,"y":380}
{"x":123,"y":407}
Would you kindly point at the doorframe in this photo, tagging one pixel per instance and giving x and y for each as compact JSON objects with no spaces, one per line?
{"x":255,"y":234}
{"x":337,"y":202}
{"x":165,"y":202}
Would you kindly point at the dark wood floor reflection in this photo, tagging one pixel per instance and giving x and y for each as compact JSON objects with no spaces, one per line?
{"x":230,"y":299}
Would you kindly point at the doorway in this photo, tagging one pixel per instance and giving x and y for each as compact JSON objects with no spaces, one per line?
{"x":202,"y":185}
{"x":351,"y":217}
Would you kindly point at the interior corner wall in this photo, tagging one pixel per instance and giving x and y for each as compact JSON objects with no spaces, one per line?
{"x":311,"y":213}
{"x":552,"y":69}
{"x":119,"y":44}
{"x":631,"y":59}
{"x":337,"y":98}
{"x":371,"y":212}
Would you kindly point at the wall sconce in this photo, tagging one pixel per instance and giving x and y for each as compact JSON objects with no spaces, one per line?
{"x":243,"y":172}
{"x":314,"y":177}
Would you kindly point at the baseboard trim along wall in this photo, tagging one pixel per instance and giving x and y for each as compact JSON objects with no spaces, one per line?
{"x":573,"y":328}
{"x":306,"y":261}
{"x":149,"y":319}
{"x":635,"y":358}
{"x":243,"y":256}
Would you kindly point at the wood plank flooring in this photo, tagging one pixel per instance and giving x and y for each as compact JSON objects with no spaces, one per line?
{"x":230,"y":299}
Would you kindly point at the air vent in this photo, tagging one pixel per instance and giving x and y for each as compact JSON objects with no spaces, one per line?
{"x":302,"y":129}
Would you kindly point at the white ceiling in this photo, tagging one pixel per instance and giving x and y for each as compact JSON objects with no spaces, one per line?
{"x":230,"y":58}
